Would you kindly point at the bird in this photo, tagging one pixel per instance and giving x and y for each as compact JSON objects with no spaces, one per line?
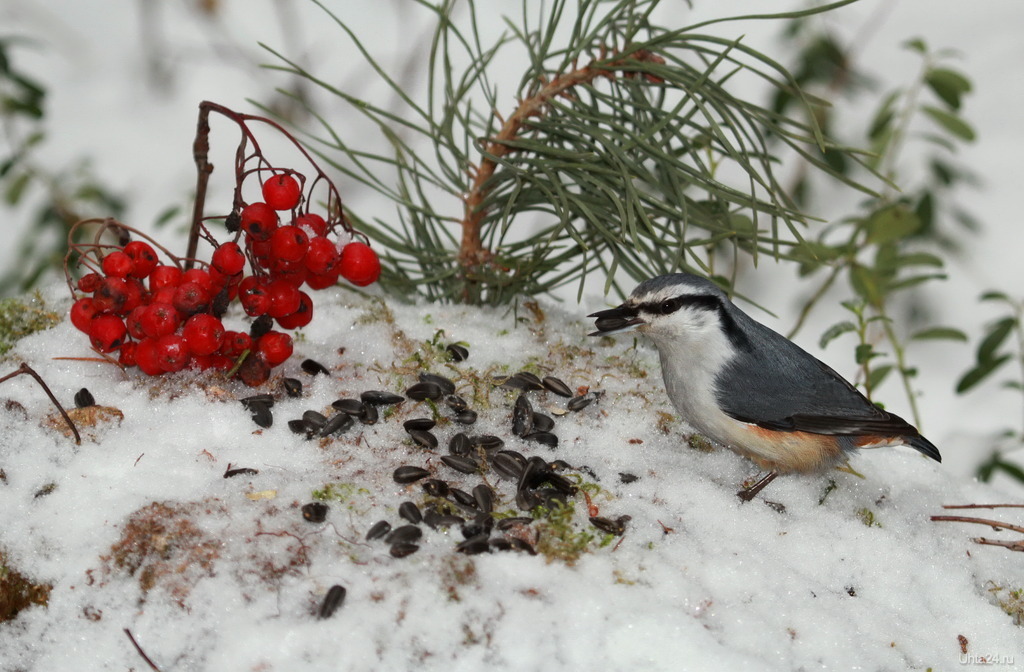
{"x":749,"y":388}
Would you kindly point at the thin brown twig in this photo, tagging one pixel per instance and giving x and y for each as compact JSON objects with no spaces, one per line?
{"x":1011,"y":545}
{"x":25,"y":368}
{"x":983,"y":506}
{"x":980,"y":521}
{"x":142,"y":653}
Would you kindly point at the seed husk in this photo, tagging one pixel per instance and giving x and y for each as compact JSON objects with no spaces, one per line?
{"x":409,"y":511}
{"x":461,"y":463}
{"x":409,"y":474}
{"x":337,"y":424}
{"x":463,"y":499}
{"x":332,"y":602}
{"x":436,"y":488}
{"x":544,"y":438}
{"x":473,"y":545}
{"x":260,"y":413}
{"x":370,"y":415}
{"x":292,"y":387}
{"x":380,"y":398}
{"x":248,"y":471}
{"x":264,"y":399}
{"x":522,"y":416}
{"x":488,"y":442}
{"x":378,"y":530}
{"x":424,"y":391}
{"x":297,"y":426}
{"x":446,"y":385}
{"x":556,"y":386}
{"x":458,"y":353}
{"x":508,"y":523}
{"x":466,"y":417}
{"x":314,"y":420}
{"x":313,"y":367}
{"x":315,"y":512}
{"x":437,"y":520}
{"x":522,"y":545}
{"x":403,"y":549}
{"x":482,"y":523}
{"x":616,"y":526}
{"x":404,"y":533}
{"x":459,"y":444}
{"x":507,"y":466}
{"x":628,"y":478}
{"x":351,"y":406}
{"x":500,"y":544}
{"x":542,"y":423}
{"x":484,"y":497}
{"x":579,"y":403}
{"x":534,"y":473}
{"x":84,"y":399}
{"x":422,"y":424}
{"x":456,"y":403}
{"x":424,"y":438}
{"x":524,"y":381}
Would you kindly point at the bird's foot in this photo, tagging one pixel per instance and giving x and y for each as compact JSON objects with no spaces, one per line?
{"x":747,"y":494}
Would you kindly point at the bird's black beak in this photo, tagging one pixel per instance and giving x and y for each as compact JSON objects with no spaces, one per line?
{"x":616,"y":320}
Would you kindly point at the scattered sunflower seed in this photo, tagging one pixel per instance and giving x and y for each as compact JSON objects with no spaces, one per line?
{"x":459,"y":444}
{"x":403,"y":533}
{"x":437,"y":520}
{"x":314,"y":420}
{"x":579,"y":403}
{"x":543,"y":423}
{"x":556,"y":386}
{"x":260,"y":413}
{"x":409,"y":511}
{"x":84,"y":398}
{"x":457,"y":352}
{"x":315,"y":512}
{"x":616,"y":527}
{"x":422,"y":424}
{"x":313,"y":367}
{"x":409,"y":474}
{"x":378,"y":530}
{"x":488,"y":442}
{"x":370,"y":415}
{"x":500,"y":544}
{"x":292,"y":387}
{"x":524,"y":381}
{"x":380,"y":398}
{"x":424,"y":438}
{"x":456,"y":403}
{"x":446,"y":385}
{"x":332,"y":601}
{"x":522,"y":545}
{"x":522,"y":416}
{"x":484,"y":497}
{"x":424,"y":391}
{"x":351,"y":406}
{"x":508,"y":523}
{"x":461,"y":463}
{"x":462,"y":498}
{"x":336,"y":424}
{"x":436,"y":487}
{"x":473,"y":545}
{"x":466,"y":417}
{"x":544,"y":438}
{"x":264,"y":399}
{"x":297,"y":426}
{"x":403,"y":549}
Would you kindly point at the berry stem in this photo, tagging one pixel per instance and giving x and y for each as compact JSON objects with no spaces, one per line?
{"x":25,"y":368}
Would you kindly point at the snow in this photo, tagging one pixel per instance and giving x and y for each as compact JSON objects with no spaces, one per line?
{"x":236,"y":576}
{"x":698,"y":581}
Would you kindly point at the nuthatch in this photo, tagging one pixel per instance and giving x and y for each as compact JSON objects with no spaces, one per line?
{"x":749,"y":388}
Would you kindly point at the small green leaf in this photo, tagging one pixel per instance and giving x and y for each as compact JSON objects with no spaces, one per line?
{"x":916,"y":44}
{"x":892,"y":223}
{"x":951,"y":122}
{"x":995,"y":337}
{"x":948,"y":85}
{"x":936,"y":333}
{"x":883,"y":117}
{"x":835,"y":331}
{"x":995,"y":296}
{"x":864,"y":353}
{"x":16,"y":188}
{"x":877,"y":375}
{"x":979,"y":373}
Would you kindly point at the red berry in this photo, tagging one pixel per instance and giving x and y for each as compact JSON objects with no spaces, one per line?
{"x":285,"y":299}
{"x":82,"y":312}
{"x":135,"y":322}
{"x":191,"y":298}
{"x":164,"y":276}
{"x":321,"y":256}
{"x":111,"y":295}
{"x":359,"y":264}
{"x":289,"y":243}
{"x":314,"y":281}
{"x":203,"y":334}
{"x":135,"y":295}
{"x":159,"y":319}
{"x":300,"y":317}
{"x":163,"y":295}
{"x":260,"y":250}
{"x":275,"y":347}
{"x":259,"y":220}
{"x":147,"y":357}
{"x":90,"y":282}
{"x":228,"y":259}
{"x":235,"y":343}
{"x":313,"y":222}
{"x":171,"y":352}
{"x":143,"y":257}
{"x":282,"y":192}
{"x":107,"y":332}
{"x":253,"y":296}
{"x":198,"y":276}
{"x":118,"y":264}
{"x":254,"y":370}
{"x":126,"y":355}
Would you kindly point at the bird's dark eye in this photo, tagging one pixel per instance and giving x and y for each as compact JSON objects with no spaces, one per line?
{"x":670,"y":306}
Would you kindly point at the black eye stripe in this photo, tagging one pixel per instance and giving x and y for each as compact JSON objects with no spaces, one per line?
{"x":668,"y":306}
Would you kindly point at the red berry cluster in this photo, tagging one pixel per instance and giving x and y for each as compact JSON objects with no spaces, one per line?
{"x":162,"y":318}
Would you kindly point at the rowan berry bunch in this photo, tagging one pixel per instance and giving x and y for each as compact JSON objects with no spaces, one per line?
{"x":165,"y":316}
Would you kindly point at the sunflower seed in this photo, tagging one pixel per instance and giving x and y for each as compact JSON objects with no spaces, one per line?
{"x":506,"y":467}
{"x":524,"y":380}
{"x":410,"y":512}
{"x":337,"y":424}
{"x":484,"y":497}
{"x":436,"y":488}
{"x":463,"y":499}
{"x":466,"y":465}
{"x":263,"y":399}
{"x":580,"y":402}
{"x":527,"y":500}
{"x":424,"y":438}
{"x":313,"y":367}
{"x":459,"y":444}
{"x":542,"y":423}
{"x":628,"y":478}
{"x":500,"y":544}
{"x":545,"y":438}
{"x":260,"y":413}
{"x":350,"y":406}
{"x":422,"y":424}
{"x":522,"y":545}
{"x":437,"y":520}
{"x":555,"y":385}
{"x":423,"y":391}
{"x":446,"y":385}
{"x":297,"y":426}
{"x":467,"y":417}
{"x":549,"y":497}
{"x":314,"y":421}
{"x":611,"y":323}
{"x":473,"y":545}
{"x":84,"y":398}
{"x":456,"y":403}
{"x":260,"y":326}
{"x":403,"y":549}
{"x":616,"y":527}
{"x":292,"y":387}
{"x":315,"y":512}
{"x":410,"y":474}
{"x":488,"y":442}
{"x":380,"y":398}
{"x":332,"y":601}
{"x":378,"y":530}
{"x":482,"y":523}
{"x":457,"y":352}
{"x":403,"y":533}
{"x":560,"y":465}
{"x":370,"y":415}
{"x":561,"y":484}
{"x":508,"y":523}
{"x":522,"y":416}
